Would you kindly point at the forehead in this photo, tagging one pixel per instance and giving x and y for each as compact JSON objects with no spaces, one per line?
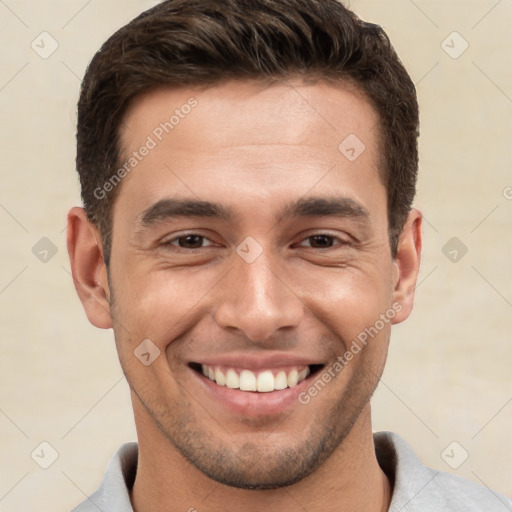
{"x":247,"y":139}
{"x":252,"y":112}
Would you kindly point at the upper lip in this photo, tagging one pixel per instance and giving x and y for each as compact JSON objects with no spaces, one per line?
{"x":258,"y":362}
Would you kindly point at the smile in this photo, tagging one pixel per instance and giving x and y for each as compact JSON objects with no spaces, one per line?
{"x":250,"y":387}
{"x":263,"y":381}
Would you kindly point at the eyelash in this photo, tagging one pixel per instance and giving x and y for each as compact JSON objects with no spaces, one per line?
{"x":186,"y":235}
{"x":334,"y":238}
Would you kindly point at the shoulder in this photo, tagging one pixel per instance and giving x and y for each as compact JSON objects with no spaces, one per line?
{"x":420,"y":488}
{"x":114,"y":492}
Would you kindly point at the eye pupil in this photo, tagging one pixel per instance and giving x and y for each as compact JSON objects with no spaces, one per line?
{"x":321,"y":241}
{"x":191,"y":241}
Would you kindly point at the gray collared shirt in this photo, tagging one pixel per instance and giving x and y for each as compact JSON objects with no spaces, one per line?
{"x":416,"y":487}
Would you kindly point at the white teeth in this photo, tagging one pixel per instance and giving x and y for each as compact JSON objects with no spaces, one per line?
{"x":263,"y":382}
{"x":232,"y":380}
{"x":293,"y":378}
{"x":280,"y":381}
{"x":247,"y":380}
{"x":303,"y":374}
{"x":219,"y":377}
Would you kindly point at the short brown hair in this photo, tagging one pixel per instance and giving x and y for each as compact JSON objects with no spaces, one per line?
{"x":204,"y":42}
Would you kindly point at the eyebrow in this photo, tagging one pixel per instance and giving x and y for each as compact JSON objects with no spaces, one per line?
{"x":169,"y":208}
{"x":325,"y":206}
{"x":304,"y":207}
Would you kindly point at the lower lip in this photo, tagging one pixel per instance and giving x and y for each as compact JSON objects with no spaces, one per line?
{"x":252,"y":403}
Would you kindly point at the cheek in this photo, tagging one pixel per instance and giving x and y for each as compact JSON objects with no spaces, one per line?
{"x":347,"y":301}
{"x":159,"y":305}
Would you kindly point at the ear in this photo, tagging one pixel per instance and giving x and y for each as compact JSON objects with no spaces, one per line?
{"x":88,"y":268}
{"x":406,"y":266}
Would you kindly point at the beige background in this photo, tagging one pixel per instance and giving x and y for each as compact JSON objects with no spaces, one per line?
{"x":448,"y":377}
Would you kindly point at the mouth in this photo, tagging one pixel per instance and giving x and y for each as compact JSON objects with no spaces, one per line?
{"x":264,"y":380}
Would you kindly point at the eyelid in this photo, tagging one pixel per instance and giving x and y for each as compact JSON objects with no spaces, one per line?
{"x":175,"y":238}
{"x":337,"y":238}
{"x":339,"y":241}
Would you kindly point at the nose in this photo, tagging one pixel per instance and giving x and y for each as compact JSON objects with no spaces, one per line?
{"x":257,"y":299}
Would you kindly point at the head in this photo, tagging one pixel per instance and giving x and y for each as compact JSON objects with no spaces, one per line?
{"x":247,"y":172}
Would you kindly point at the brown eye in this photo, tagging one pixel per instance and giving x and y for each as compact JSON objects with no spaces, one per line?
{"x":321,"y":241}
{"x":191,"y":241}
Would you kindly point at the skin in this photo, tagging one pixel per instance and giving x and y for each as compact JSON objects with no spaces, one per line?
{"x":254,"y":149}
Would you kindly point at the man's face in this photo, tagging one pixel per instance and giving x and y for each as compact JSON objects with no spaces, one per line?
{"x":247,"y":243}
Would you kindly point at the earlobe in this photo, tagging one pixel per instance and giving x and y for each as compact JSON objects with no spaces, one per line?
{"x":406,"y":265}
{"x":88,"y":268}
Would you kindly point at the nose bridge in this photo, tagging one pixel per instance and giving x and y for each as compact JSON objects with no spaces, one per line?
{"x":257,"y":300}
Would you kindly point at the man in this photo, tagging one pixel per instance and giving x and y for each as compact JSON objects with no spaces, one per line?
{"x":248,"y":170}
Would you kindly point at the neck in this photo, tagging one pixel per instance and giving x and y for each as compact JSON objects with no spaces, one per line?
{"x":349,"y":480}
